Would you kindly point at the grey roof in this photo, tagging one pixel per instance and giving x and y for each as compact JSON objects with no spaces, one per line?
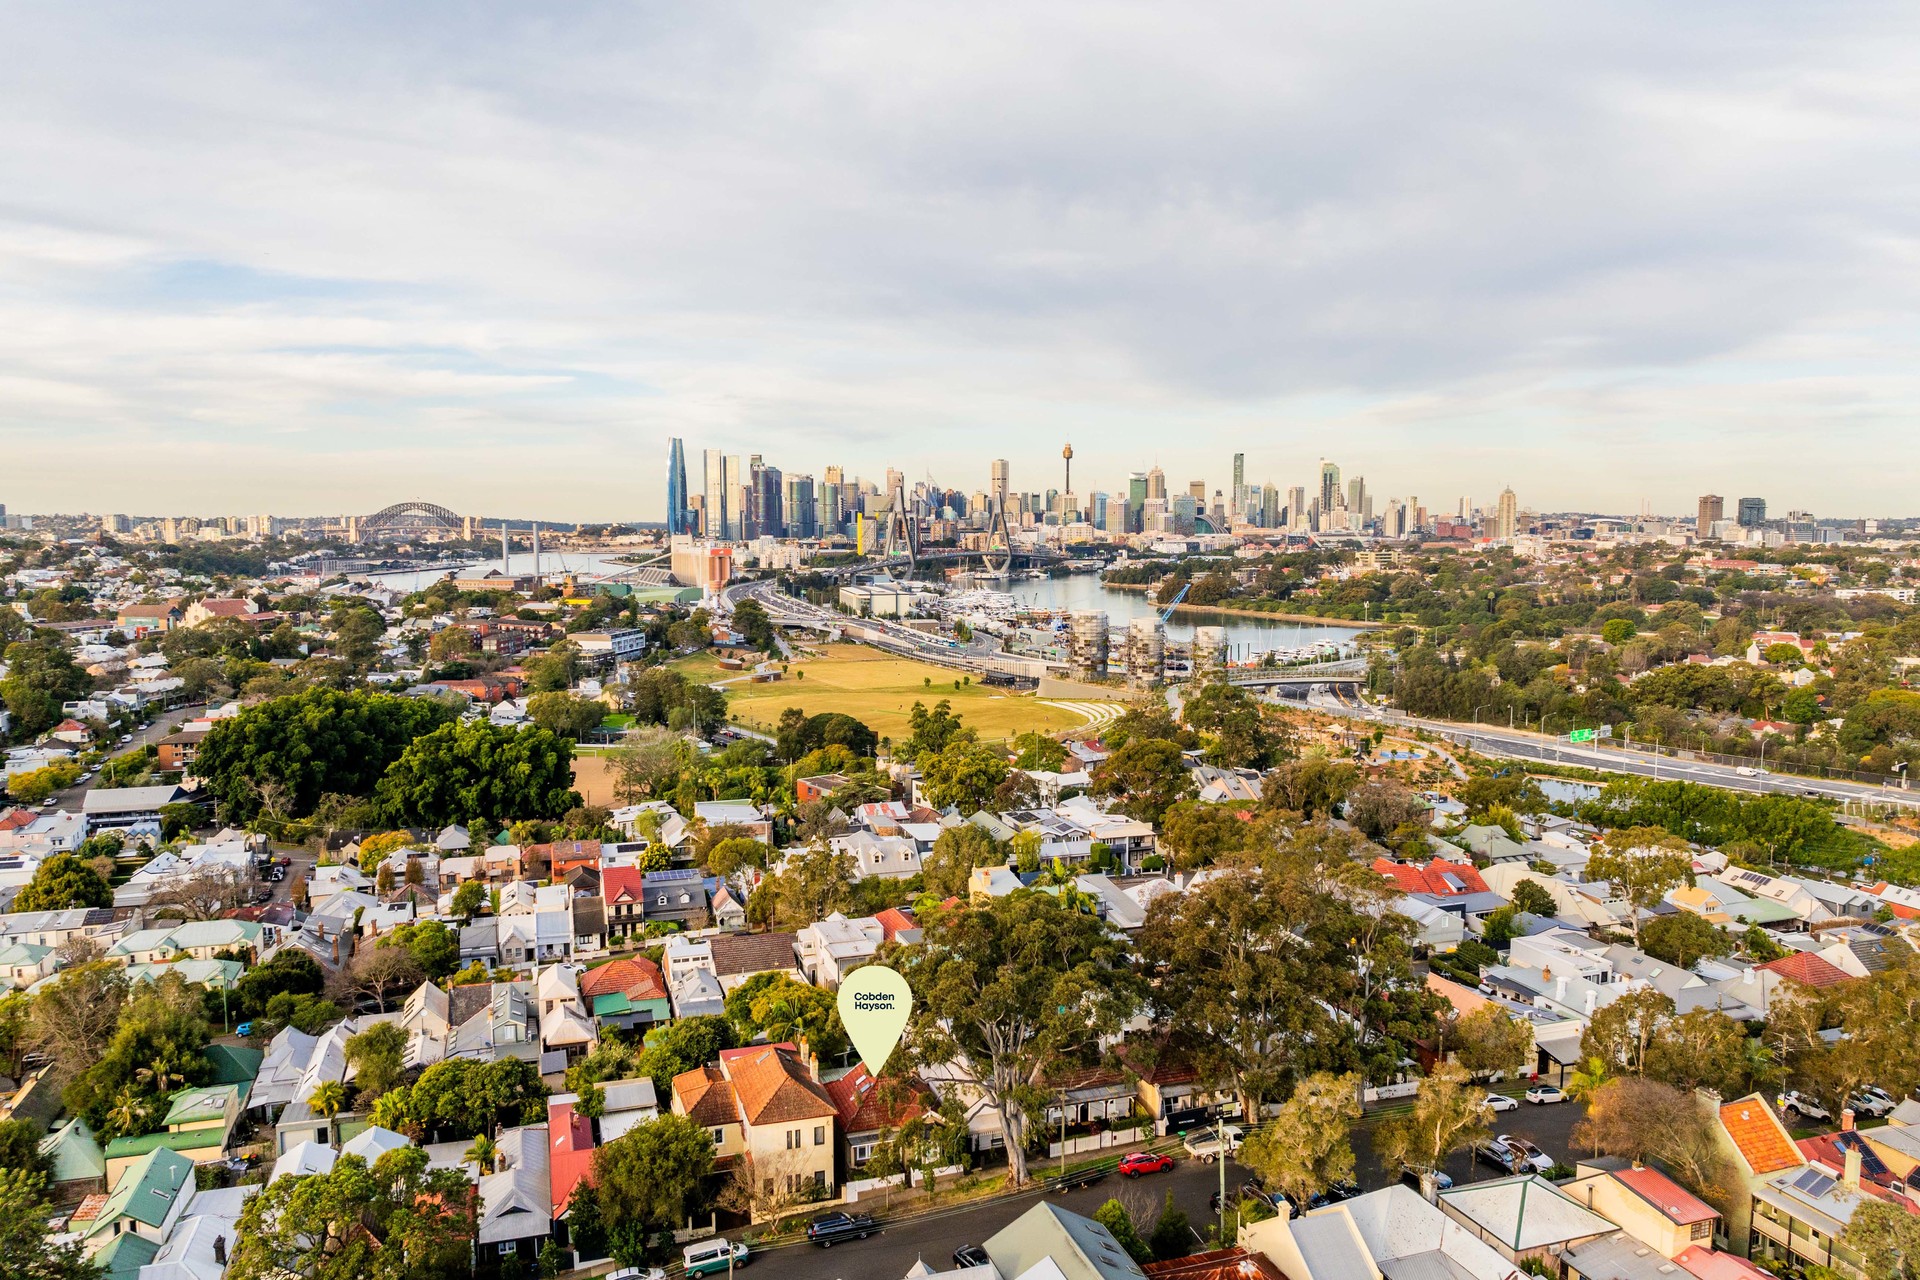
{"x":1621,"y":1257}
{"x":1333,"y":1250}
{"x":1081,"y":1248}
{"x":109,"y":800}
{"x":1524,"y":1213}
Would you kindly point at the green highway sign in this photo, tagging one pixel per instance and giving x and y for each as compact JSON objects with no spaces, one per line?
{"x":1583,"y":735}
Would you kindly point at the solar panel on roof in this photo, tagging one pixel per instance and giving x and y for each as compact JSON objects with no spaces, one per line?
{"x":1813,"y":1182}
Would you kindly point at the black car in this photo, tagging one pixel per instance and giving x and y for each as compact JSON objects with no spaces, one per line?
{"x":1334,"y":1195}
{"x":970,"y":1255}
{"x":1249,"y":1191}
{"x":830,"y":1228}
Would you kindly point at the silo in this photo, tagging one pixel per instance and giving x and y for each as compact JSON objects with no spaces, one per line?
{"x":1146,"y":652}
{"x":1087,"y":645}
{"x":1209,"y":654}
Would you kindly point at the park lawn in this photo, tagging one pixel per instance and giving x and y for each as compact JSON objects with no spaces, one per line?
{"x":879,"y":690}
{"x":619,"y":720}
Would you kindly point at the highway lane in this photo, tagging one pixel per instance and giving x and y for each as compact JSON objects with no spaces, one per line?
{"x":1521,"y":744}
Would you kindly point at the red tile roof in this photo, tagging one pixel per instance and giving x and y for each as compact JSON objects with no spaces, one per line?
{"x":1808,"y":969}
{"x":1220,"y":1264}
{"x":14,"y":819}
{"x":1711,"y":1264}
{"x":705,"y":1096}
{"x":864,"y":1104}
{"x":637,"y":978}
{"x":773,"y":1088}
{"x":621,"y":884}
{"x":1432,"y":878}
{"x":893,"y":921}
{"x":1669,"y":1197}
{"x":1758,"y":1135}
{"x":570,"y":1157}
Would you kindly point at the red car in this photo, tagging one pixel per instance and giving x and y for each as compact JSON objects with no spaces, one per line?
{"x":1140,"y":1163}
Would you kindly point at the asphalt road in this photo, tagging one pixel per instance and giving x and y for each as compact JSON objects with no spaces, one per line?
{"x":73,"y":797}
{"x":889,"y":1254}
{"x":1520,"y":744}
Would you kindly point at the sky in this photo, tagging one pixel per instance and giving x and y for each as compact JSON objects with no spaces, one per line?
{"x":315,"y":259}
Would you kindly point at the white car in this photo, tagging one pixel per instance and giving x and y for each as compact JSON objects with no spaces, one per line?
{"x":1799,"y":1103}
{"x":638,"y":1273}
{"x":1872,"y":1101}
{"x":1501,"y":1102}
{"x":1541,"y":1094}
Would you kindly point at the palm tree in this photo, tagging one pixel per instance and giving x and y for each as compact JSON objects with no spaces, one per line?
{"x":128,"y":1113}
{"x":1589,"y":1080}
{"x":328,"y":1100}
{"x":483,"y":1153}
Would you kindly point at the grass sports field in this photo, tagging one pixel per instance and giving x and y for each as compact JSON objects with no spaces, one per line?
{"x":880,"y":690}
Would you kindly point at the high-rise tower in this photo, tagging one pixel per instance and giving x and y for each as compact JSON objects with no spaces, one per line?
{"x":677,"y":521}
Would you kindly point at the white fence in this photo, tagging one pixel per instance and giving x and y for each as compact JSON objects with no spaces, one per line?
{"x":1098,"y":1141}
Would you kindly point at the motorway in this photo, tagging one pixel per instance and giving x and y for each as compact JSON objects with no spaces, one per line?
{"x":936,"y":1236}
{"x":1521,"y":744}
{"x":980,"y":656}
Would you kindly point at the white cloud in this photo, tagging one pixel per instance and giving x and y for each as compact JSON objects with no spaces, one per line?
{"x":495,"y":256}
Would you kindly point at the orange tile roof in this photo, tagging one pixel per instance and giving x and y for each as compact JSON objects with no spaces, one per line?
{"x":620,"y":884}
{"x":865,"y":1104}
{"x":893,"y":921}
{"x":773,"y":1088}
{"x":1431,"y":878}
{"x":1808,"y":969}
{"x":705,"y":1096}
{"x":637,"y":978}
{"x":1757,"y":1133}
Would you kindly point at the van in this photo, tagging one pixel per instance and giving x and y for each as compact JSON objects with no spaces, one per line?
{"x":713,"y":1257}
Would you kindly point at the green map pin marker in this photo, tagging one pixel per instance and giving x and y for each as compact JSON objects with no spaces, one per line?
{"x":875,"y":1003}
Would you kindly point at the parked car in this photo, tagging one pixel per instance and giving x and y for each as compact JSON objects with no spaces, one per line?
{"x":1442,"y":1180}
{"x":1141,"y":1163}
{"x":1873,"y":1101}
{"x":638,"y":1273}
{"x":970,"y":1255}
{"x":1515,"y":1155}
{"x":1799,"y":1103}
{"x":1542,"y":1094}
{"x":244,"y":1029}
{"x":829,"y":1228}
{"x":1334,"y":1195}
{"x":1501,"y":1102}
{"x":1251,"y":1190}
{"x":1208,"y":1145}
{"x":713,"y":1257}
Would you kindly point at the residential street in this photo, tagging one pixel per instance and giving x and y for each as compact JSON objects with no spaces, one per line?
{"x":888,"y":1255}
{"x":73,"y":797}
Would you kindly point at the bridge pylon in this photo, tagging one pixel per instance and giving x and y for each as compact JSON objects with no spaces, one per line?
{"x":902,"y":536}
{"x":998,"y":557}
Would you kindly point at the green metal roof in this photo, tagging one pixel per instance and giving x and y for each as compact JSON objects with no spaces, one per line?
{"x":125,"y":1254}
{"x":184,"y":1140}
{"x":195,"y":1106}
{"x":612,"y":1005}
{"x":147,"y":1191}
{"x":234,"y":1063}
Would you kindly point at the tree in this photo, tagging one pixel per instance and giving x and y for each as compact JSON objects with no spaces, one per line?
{"x":1378,"y":809}
{"x":1039,"y":752}
{"x":482,"y":1153}
{"x":76,"y":1015}
{"x":964,"y":774}
{"x":1642,"y":864}
{"x":1148,"y":777}
{"x":1488,"y":1042}
{"x":475,"y":772}
{"x":1643,"y":1120}
{"x":40,"y":676}
{"x":566,"y":714}
{"x":63,"y":881}
{"x":1239,"y":734}
{"x":812,"y":885}
{"x":20,"y":1147}
{"x":1617,"y":631}
{"x":1886,"y":1236}
{"x":433,"y":946}
{"x":157,"y":1046}
{"x":1622,"y":1034}
{"x":1704,"y":1049}
{"x":310,"y":744}
{"x":35,"y":785}
{"x":647,"y":766}
{"x":1199,"y":834}
{"x":378,"y":1058}
{"x":1591,"y":1076}
{"x":1532,"y":897}
{"x":290,"y":970}
{"x":1307,"y":1147}
{"x":956,"y":852}
{"x":1119,"y":1224}
{"x":1313,"y":787}
{"x":1172,"y":1234}
{"x":1449,"y":1113}
{"x":468,"y":899}
{"x":26,"y":1231}
{"x":384,"y":972}
{"x":650,"y":1176}
{"x":931,"y":732}
{"x":681,"y":1046}
{"x":1683,"y":939}
{"x":775,"y":1007}
{"x":736,"y":853}
{"x":328,"y":1099}
{"x":1011,"y":989}
{"x":202,"y":895}
{"x":397,"y":1220}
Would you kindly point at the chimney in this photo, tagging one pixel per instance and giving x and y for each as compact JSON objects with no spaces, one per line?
{"x":1850,"y":1179}
{"x":1560,"y":989}
{"x":1593,"y":998}
{"x":220,"y":1250}
{"x":1846,"y":1119}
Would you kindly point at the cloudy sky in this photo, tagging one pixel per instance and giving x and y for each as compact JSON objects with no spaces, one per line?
{"x":320,"y":258}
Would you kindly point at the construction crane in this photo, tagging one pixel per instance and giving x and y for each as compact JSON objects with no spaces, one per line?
{"x":1175,"y":602}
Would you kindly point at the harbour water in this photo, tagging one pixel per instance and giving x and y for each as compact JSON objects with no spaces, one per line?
{"x":1083,"y":591}
{"x":579,"y":563}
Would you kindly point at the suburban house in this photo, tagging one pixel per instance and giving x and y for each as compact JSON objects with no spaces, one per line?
{"x":763,"y":1105}
{"x":626,"y":993}
{"x":739,"y":956}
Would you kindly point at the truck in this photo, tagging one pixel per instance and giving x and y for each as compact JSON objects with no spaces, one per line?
{"x":1208,"y":1145}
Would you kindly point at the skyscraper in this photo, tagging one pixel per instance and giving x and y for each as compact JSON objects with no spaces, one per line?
{"x":677,"y":486}
{"x":1239,"y":484}
{"x":1157,"y":484}
{"x":1329,"y":486}
{"x":1506,"y":521}
{"x":717,"y":504}
{"x":1713,"y":509}
{"x":1197,"y":490}
{"x":798,"y":503}
{"x":769,"y":507}
{"x":1000,"y":472}
{"x":736,"y":487}
{"x":1753,"y":512}
{"x":1135,"y":521}
{"x":1357,"y":496}
{"x":1297,"y":508}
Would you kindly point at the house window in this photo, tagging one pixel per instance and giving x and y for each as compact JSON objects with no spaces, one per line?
{"x":819,"y":1135}
{"x":662,"y":902}
{"x":793,"y":1139}
{"x":819,"y":1177}
{"x":719,"y":1136}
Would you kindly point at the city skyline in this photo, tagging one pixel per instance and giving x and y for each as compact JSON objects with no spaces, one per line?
{"x":499,"y":267}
